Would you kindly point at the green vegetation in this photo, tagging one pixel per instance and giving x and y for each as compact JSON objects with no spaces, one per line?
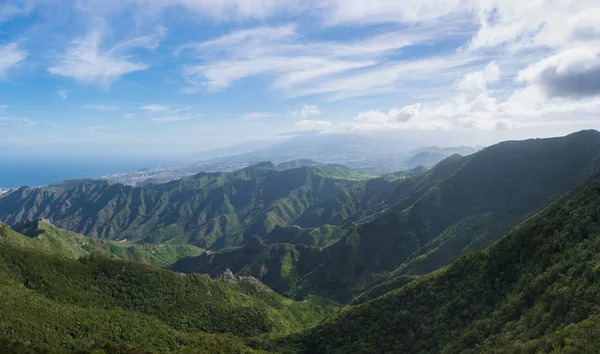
{"x":43,"y":236}
{"x":413,"y":225}
{"x":462,"y":205}
{"x":279,"y":266}
{"x":536,"y":290}
{"x":419,"y":258}
{"x":209,"y":210}
{"x":49,"y":301}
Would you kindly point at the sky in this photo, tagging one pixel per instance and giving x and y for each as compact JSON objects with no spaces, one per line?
{"x":163,"y":78}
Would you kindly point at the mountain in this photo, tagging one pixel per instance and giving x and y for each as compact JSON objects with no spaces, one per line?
{"x":466,"y":204}
{"x":49,"y":302}
{"x":535,"y":290}
{"x":494,"y":252}
{"x":207,"y":210}
{"x":373,"y":155}
{"x":417,"y":224}
{"x":42,"y":235}
{"x":326,"y":229}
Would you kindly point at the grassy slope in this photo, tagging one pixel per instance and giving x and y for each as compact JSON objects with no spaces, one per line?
{"x":43,"y":236}
{"x":535,"y":290}
{"x":55,"y":302}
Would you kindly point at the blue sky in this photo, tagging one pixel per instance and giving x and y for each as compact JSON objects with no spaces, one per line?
{"x":175,"y":77}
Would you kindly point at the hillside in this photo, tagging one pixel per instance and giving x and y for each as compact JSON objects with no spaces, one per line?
{"x":535,"y":290}
{"x":477,"y":200}
{"x":49,"y":301}
{"x":417,"y":224}
{"x":279,"y":266}
{"x":43,"y":236}
{"x":326,"y":229}
{"x":209,"y":210}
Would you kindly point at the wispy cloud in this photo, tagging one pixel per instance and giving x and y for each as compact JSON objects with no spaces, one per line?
{"x":221,"y":10}
{"x":88,"y":61}
{"x":63,"y":94}
{"x":10,"y":56}
{"x":292,"y":63}
{"x":345,"y":12}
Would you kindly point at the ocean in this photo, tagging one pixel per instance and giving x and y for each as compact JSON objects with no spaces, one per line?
{"x":38,"y":172}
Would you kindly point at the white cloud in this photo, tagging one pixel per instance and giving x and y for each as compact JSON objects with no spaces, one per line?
{"x":312,"y":125}
{"x":128,"y":116}
{"x":522,"y":108}
{"x":478,"y":80}
{"x":63,"y":94}
{"x":102,"y":107}
{"x":288,"y":60}
{"x":10,"y":56}
{"x":87,"y":61}
{"x":385,"y":11}
{"x":410,"y":75}
{"x":523,"y":24}
{"x":306,"y":111}
{"x":257,"y":116}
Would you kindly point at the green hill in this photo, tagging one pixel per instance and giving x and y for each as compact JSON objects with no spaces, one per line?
{"x":43,"y":236}
{"x":49,"y":301}
{"x":415,"y":225}
{"x":207,"y":210}
{"x":279,"y":266}
{"x":536,"y":290}
{"x":462,"y":205}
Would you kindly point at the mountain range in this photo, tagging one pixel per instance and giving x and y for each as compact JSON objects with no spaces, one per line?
{"x":365,"y":154}
{"x":495,"y":251}
{"x":418,"y":224}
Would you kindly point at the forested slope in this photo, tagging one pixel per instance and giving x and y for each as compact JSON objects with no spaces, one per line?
{"x":535,"y":290}
{"x":49,"y":301}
